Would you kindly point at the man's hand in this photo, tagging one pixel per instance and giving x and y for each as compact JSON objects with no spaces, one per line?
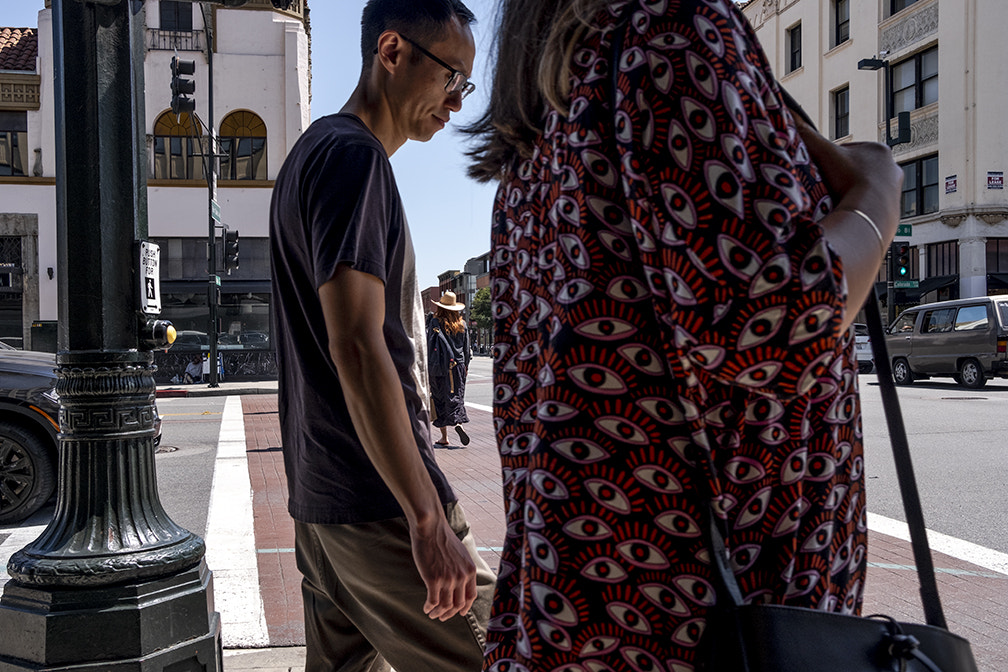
{"x":446,"y":569}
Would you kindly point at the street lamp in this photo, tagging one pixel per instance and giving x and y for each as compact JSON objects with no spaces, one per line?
{"x":902,"y":135}
{"x":903,"y":119}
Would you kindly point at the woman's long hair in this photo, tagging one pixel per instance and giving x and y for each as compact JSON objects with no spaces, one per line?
{"x":451,"y":320}
{"x":535,"y":45}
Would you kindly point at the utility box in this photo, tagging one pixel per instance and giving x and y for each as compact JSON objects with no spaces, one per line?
{"x":44,"y":335}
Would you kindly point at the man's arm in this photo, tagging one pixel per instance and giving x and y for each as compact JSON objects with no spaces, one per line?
{"x":354,"y":307}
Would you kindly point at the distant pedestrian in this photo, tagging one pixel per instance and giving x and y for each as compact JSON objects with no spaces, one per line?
{"x":391,"y":573}
{"x":448,"y":355}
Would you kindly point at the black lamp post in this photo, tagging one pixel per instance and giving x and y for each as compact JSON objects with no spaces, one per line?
{"x":112,"y":583}
{"x":902,"y":135}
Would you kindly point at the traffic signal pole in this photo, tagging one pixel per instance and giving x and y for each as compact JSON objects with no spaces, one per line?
{"x":213,"y":284}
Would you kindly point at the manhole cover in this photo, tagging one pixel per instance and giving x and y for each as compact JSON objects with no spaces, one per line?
{"x":165,"y":449}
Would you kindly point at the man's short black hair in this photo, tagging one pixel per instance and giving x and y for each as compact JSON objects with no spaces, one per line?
{"x":421,"y":20}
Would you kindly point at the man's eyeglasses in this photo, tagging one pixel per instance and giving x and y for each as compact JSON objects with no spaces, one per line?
{"x":457,"y":83}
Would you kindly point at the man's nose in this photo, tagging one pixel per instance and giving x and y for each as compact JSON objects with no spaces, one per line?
{"x":455,"y":101}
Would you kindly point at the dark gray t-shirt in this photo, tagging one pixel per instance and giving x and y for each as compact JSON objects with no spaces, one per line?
{"x":336,"y":202}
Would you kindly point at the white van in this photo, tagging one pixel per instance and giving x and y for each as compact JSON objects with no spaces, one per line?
{"x":965,"y":339}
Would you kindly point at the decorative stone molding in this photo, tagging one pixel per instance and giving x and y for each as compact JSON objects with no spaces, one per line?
{"x":988,"y":215}
{"x":993,"y":218}
{"x":953,"y":220}
{"x":923,"y":134}
{"x":911,"y":29}
{"x":20,"y":91}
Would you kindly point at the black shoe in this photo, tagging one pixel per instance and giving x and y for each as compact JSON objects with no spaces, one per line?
{"x":463,"y":437}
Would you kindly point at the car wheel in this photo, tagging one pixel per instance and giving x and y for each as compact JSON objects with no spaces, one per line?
{"x":26,"y":474}
{"x":901,"y":372}
{"x":971,"y":375}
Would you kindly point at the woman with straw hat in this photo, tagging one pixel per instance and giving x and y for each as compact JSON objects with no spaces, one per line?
{"x":448,"y":355}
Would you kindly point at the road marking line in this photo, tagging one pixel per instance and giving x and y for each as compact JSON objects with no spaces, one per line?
{"x":969,"y":552}
{"x":480,"y":407}
{"x":230,"y":538}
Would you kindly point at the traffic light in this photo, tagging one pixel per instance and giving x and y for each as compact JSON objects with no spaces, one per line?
{"x":230,"y":250}
{"x":900,"y":255}
{"x":181,"y":87}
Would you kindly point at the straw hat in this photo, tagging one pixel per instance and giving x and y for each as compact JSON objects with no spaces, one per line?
{"x":448,"y":302}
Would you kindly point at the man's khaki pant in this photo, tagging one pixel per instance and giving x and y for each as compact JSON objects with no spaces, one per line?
{"x":363,"y":601}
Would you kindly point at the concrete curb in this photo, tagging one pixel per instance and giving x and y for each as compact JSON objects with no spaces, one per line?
{"x":203,"y":391}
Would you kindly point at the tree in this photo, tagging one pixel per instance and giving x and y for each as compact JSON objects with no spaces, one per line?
{"x":480,"y":311}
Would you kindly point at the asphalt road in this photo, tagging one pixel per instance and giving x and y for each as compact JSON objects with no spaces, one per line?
{"x":185,"y":458}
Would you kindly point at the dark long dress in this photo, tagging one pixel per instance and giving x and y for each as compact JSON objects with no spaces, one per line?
{"x":667,"y":325}
{"x":447,"y":364}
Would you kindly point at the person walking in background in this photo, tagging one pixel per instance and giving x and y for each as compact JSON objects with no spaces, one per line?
{"x":448,"y":355}
{"x":391,"y":575}
{"x":676,"y":264}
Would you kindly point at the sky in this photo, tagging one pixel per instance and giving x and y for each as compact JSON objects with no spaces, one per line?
{"x":449,"y":214}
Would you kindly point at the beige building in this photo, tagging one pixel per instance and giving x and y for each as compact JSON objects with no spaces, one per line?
{"x":260,"y":60}
{"x":947,"y":69}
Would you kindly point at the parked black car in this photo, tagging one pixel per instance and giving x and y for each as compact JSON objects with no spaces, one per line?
{"x":29,"y":427}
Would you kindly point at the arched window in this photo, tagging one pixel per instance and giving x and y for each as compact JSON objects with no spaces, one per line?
{"x":243,"y":147}
{"x":178,"y":148}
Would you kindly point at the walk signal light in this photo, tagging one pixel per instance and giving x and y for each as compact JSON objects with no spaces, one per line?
{"x":181,"y":86}
{"x":230,"y":250}
{"x":900,"y":255}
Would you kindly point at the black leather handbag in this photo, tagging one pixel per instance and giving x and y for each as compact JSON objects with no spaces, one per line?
{"x":771,"y":638}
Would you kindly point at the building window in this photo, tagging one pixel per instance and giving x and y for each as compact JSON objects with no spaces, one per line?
{"x":915,"y":81}
{"x":943,"y":258}
{"x":794,"y":47}
{"x":178,"y":148}
{"x":997,"y":255}
{"x":176,"y":15}
{"x":841,"y":113}
{"x":899,"y":5}
{"x":920,"y":187}
{"x":243,"y":145}
{"x":13,"y":143}
{"x":841,"y":19}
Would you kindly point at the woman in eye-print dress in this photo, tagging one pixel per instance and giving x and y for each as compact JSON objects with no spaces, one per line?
{"x":676,"y":262}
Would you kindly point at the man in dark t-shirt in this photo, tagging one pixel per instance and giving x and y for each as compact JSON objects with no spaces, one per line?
{"x":391,"y":573}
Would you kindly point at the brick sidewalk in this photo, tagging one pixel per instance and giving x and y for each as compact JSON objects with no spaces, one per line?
{"x":975,"y":599}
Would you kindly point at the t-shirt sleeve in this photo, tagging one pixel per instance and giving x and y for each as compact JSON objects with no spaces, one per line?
{"x":724,"y":202}
{"x":349,"y":211}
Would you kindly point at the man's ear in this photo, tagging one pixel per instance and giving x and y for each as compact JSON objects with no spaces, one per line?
{"x":390,"y":50}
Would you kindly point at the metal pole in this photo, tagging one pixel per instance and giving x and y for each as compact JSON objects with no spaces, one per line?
{"x":213,"y":289}
{"x":112,"y":582}
{"x":890,"y":289}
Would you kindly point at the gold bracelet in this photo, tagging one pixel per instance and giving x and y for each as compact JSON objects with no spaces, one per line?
{"x":874,"y":227}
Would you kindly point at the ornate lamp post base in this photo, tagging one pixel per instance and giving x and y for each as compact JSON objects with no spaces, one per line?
{"x":164,"y":624}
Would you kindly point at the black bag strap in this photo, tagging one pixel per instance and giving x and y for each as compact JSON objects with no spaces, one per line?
{"x":933,"y":613}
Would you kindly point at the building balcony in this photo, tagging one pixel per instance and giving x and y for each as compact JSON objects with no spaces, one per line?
{"x":175,"y":40}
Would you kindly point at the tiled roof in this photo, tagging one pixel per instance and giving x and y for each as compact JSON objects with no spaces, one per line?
{"x":18,"y":48}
